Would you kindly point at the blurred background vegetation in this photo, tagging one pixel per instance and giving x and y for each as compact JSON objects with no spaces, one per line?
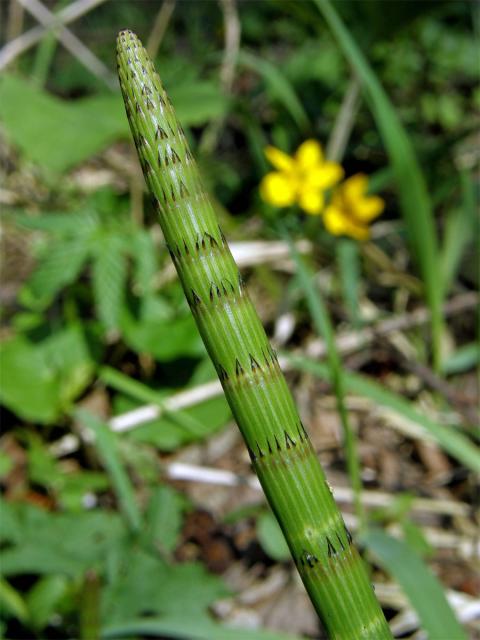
{"x":128,"y":508}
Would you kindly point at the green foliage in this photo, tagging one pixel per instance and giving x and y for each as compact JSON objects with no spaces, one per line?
{"x":415,"y":202}
{"x":41,"y":379}
{"x":91,"y":319}
{"x":271,"y":537}
{"x":419,"y":584}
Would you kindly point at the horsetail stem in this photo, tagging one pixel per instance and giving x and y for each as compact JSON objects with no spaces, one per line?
{"x":278,"y":444}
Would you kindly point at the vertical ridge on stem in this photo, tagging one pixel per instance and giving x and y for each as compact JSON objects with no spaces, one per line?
{"x":247,"y":366}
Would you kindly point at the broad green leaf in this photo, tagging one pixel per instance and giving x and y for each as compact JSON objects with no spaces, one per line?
{"x":164,"y":518}
{"x":146,"y":262}
{"x":164,"y":339}
{"x":56,"y":134}
{"x":40,"y":380}
{"x":425,"y":593}
{"x":44,"y":597}
{"x":271,"y":537}
{"x":197,"y":102}
{"x":415,"y":201}
{"x":47,"y":543}
{"x":59,"y":135}
{"x":145,"y":583}
{"x":109,"y":275}
{"x":105,"y":442}
{"x":80,"y":222}
{"x":60,"y":266}
{"x":29,"y":387}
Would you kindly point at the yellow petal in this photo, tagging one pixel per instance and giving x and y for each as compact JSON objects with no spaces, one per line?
{"x":325,"y":175}
{"x":337,"y":223}
{"x":278,"y":189}
{"x":355,"y":187}
{"x":334,"y":220}
{"x":279,"y":159}
{"x":308,"y":155}
{"x":311,"y":201}
{"x":367,"y":209}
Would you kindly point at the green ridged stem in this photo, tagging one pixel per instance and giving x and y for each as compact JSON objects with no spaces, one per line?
{"x":256,"y":390}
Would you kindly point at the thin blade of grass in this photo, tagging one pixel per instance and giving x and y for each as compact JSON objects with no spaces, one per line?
{"x":141,"y":392}
{"x":279,"y":86}
{"x":419,"y":584}
{"x":106,"y":445}
{"x":324,"y":328}
{"x":460,"y":229}
{"x":415,"y":201}
{"x":348,"y":264}
{"x":453,"y":442}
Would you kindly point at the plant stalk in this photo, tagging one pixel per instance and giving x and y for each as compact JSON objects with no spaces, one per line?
{"x":279,"y":447}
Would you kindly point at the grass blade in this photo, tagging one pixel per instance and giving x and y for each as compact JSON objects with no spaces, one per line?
{"x":453,"y":442}
{"x":106,"y":444}
{"x":323,"y":325}
{"x":415,"y":201}
{"x":460,"y":228}
{"x":279,"y":86}
{"x":419,"y":584}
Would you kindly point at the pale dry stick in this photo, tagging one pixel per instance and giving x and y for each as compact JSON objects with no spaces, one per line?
{"x":232,"y":26}
{"x":346,"y":343}
{"x":70,"y":41}
{"x":372,"y":499}
{"x":14,"y":21}
{"x":466,"y":607}
{"x":69,"y":14}
{"x":344,"y":122}
{"x":160,"y":27}
{"x":253,"y":253}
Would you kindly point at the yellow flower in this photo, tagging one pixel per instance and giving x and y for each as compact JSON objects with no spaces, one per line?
{"x":302,"y":178}
{"x":351,"y":210}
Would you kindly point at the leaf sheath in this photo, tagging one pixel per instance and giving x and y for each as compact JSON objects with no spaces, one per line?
{"x":278,"y":444}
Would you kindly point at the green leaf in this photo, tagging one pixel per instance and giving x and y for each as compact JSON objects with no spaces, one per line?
{"x":348,"y":263}
{"x":56,"y":543}
{"x":463,"y":359}
{"x":146,"y":262}
{"x":59,"y":267}
{"x":40,"y":380}
{"x":168,"y":433}
{"x":271,"y":537}
{"x":105,"y":442}
{"x":419,"y":584}
{"x":11,"y":602}
{"x":56,"y":134}
{"x":164,"y":339}
{"x":200,"y":628}
{"x":109,"y":276}
{"x":415,"y":201}
{"x":144,"y":583}
{"x":451,"y":440}
{"x":278,"y":85}
{"x":197,"y":102}
{"x":164,"y":518}
{"x":43,"y":598}
{"x":460,"y":230}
